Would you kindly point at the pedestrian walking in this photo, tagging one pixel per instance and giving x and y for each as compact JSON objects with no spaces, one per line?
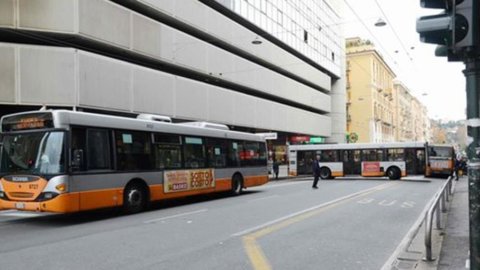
{"x":457,"y":168}
{"x":316,"y":171}
{"x":275,"y":169}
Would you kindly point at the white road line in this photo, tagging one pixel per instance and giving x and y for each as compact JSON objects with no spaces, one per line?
{"x":278,"y":220}
{"x":264,"y":198}
{"x":175,"y":216}
{"x":7,"y":211}
{"x":274,"y":185}
{"x":21,"y":214}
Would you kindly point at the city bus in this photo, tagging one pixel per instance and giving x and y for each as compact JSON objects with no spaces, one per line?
{"x":394,"y":160}
{"x":68,"y":161}
{"x":440,"y":160}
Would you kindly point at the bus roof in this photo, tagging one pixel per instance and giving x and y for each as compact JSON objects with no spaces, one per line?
{"x":63,"y":119}
{"x":355,"y":146}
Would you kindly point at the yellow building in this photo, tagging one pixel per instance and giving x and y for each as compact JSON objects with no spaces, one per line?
{"x":370,"y":106}
{"x":410,"y":117}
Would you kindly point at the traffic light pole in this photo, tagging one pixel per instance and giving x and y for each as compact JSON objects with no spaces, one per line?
{"x":472,"y":75}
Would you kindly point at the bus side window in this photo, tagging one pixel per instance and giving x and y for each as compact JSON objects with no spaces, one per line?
{"x":98,"y":149}
{"x":134,"y":150}
{"x":78,"y":143}
{"x":234,"y":148}
{"x":168,"y":151}
{"x":194,"y":153}
{"x":217,"y":153}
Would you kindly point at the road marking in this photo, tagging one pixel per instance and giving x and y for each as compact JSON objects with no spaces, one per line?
{"x":274,"y":185}
{"x":264,"y":198}
{"x":15,"y":213}
{"x":175,"y":216}
{"x":250,"y":236}
{"x":7,"y":211}
{"x":278,"y":220}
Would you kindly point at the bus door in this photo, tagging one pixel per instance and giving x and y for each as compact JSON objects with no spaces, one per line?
{"x":352,"y":162}
{"x":415,"y":161}
{"x":304,"y":162}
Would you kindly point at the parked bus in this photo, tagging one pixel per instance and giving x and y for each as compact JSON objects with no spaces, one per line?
{"x":394,"y":160}
{"x":67,"y":161}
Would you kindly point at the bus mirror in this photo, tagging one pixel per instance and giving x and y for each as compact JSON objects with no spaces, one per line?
{"x":77,"y":159}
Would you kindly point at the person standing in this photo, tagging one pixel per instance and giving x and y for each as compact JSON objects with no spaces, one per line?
{"x":316,"y":171}
{"x":275,"y":169}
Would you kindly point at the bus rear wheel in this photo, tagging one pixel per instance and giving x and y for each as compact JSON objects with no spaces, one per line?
{"x":325,"y":173}
{"x":393,"y":173}
{"x":237,"y":185}
{"x":134,"y":198}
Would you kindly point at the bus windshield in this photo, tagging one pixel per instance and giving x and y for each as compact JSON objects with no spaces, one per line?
{"x":440,"y":152}
{"x":33,"y":153}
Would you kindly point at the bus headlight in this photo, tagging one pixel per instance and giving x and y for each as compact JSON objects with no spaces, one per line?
{"x":61,"y":187}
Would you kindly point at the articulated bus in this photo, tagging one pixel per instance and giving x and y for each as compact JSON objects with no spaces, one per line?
{"x":394,"y":160}
{"x":67,"y":161}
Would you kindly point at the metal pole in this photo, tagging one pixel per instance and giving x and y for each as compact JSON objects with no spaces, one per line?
{"x":472,"y":75}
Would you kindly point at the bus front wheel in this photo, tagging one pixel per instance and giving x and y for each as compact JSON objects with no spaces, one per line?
{"x":394,"y":173}
{"x":325,"y":173}
{"x":134,"y":198}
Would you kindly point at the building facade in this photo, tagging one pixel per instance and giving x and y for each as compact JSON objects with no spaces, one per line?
{"x":403,"y":106}
{"x":411,"y":116}
{"x":370,"y":106}
{"x":189,"y":59}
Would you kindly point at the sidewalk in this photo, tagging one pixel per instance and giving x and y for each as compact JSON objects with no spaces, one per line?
{"x":449,"y":246}
{"x":455,"y":246}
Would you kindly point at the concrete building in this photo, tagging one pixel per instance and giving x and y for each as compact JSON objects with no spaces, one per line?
{"x":370,"y":106}
{"x":189,"y":59}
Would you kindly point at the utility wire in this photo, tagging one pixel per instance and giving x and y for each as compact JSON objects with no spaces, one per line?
{"x":368,"y":29}
{"x":393,"y":30}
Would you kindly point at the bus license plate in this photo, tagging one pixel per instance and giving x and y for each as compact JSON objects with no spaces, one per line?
{"x":20,"y":205}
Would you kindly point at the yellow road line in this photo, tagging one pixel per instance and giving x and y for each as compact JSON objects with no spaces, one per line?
{"x":258,"y":259}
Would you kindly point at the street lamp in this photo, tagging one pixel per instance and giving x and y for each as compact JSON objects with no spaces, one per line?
{"x":256,"y":41}
{"x":380,"y":23}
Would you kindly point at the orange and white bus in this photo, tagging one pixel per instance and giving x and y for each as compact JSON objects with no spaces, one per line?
{"x":67,"y":161}
{"x":440,"y":160}
{"x":394,"y":160}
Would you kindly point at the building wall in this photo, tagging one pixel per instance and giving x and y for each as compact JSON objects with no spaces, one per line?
{"x":146,"y":64}
{"x":370,"y":106}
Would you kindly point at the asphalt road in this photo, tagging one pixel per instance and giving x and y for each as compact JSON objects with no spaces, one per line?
{"x":345,"y":224}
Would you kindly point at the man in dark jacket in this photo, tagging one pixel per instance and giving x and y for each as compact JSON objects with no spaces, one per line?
{"x":316,"y":171}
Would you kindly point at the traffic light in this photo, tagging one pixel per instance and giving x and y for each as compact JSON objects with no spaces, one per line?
{"x":454,"y":29}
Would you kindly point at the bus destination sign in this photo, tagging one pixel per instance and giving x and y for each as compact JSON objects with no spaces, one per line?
{"x":27,"y":121}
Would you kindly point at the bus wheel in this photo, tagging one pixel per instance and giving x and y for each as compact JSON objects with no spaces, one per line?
{"x":325,"y":173}
{"x":393,"y":173}
{"x":134,"y":198}
{"x":237,"y":184}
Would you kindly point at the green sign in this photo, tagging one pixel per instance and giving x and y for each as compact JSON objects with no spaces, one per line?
{"x":317,"y":140}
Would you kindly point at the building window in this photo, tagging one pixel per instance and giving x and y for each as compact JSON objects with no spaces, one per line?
{"x":305,"y":36}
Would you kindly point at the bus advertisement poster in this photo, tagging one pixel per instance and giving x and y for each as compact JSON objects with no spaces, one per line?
{"x":369,"y":167}
{"x":185,"y":180}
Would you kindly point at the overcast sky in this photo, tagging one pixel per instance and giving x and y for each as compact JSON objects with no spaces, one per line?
{"x":439,"y":84}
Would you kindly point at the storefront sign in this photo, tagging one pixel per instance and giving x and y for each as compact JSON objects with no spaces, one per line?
{"x":269,"y":136}
{"x":186,"y":180}
{"x":317,"y":140}
{"x":299,"y":139}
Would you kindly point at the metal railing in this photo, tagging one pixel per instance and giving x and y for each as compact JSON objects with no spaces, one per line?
{"x":439,"y":204}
